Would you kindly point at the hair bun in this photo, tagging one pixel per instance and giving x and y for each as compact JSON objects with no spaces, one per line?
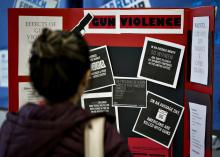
{"x":46,"y":45}
{"x":45,"y":33}
{"x":52,"y":45}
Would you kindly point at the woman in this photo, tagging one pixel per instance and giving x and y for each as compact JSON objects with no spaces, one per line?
{"x":59,"y":70}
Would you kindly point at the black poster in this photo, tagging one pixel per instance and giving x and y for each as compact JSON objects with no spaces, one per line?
{"x":161,"y":62}
{"x":130,"y":92}
{"x":101,"y":69}
{"x":98,"y":102}
{"x":159,"y":120}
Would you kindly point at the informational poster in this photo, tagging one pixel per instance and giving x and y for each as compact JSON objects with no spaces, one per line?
{"x":197,"y":129}
{"x":36,"y":3}
{"x":151,"y":21}
{"x":144,"y":147}
{"x":101,"y":69}
{"x":98,"y":102}
{"x":124,"y":31}
{"x":4,"y":68}
{"x":161,"y":62}
{"x":29,"y":29}
{"x":200,"y":48}
{"x":159,"y":121}
{"x":28,"y":94}
{"x":127,"y":4}
{"x":130,"y":92}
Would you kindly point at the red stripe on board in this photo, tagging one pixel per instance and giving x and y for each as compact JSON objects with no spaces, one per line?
{"x":24,"y":79}
{"x":130,"y":40}
{"x":13,"y":61}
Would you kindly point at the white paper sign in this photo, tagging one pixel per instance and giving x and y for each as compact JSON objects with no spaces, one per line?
{"x":127,"y":4}
{"x":4,"y":68}
{"x":29,"y":29}
{"x":197,"y":129}
{"x":199,"y":58}
{"x":36,"y":3}
{"x":138,"y":21}
{"x":28,"y":94}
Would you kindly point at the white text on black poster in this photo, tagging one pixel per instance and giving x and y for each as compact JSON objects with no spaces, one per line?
{"x":101,"y":69}
{"x":159,"y":120}
{"x":129,"y":92}
{"x":161,"y":62}
{"x":98,"y":102}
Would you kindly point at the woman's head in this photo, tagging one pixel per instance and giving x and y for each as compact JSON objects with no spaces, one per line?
{"x":59,"y":61}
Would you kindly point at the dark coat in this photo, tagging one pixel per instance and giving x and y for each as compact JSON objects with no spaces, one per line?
{"x":57,"y":131}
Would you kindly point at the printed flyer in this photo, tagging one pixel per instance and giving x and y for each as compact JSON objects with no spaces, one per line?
{"x":159,"y":121}
{"x":36,"y":3}
{"x":29,"y":29}
{"x":161,"y":62}
{"x":28,"y":94}
{"x":130,"y":92}
{"x":101,"y":69}
{"x":127,"y":4}
{"x":98,"y":102}
{"x":200,"y":50}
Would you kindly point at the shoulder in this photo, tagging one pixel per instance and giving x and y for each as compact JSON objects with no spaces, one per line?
{"x":115,"y":144}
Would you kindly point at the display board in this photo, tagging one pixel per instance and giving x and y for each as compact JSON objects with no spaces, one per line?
{"x":144,"y":54}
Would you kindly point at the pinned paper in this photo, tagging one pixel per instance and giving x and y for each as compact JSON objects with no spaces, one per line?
{"x":130,"y":92}
{"x":101,"y":69}
{"x":4,"y":68}
{"x":161,"y":62}
{"x":197,"y":129}
{"x":199,"y":58}
{"x":28,"y":94}
{"x":159,"y":121}
{"x":29,"y":29}
{"x":36,"y":4}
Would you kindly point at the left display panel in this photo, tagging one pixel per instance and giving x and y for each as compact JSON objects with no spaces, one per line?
{"x":25,"y":27}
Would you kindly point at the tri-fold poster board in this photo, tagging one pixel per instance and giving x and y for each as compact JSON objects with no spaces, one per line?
{"x":149,"y":67}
